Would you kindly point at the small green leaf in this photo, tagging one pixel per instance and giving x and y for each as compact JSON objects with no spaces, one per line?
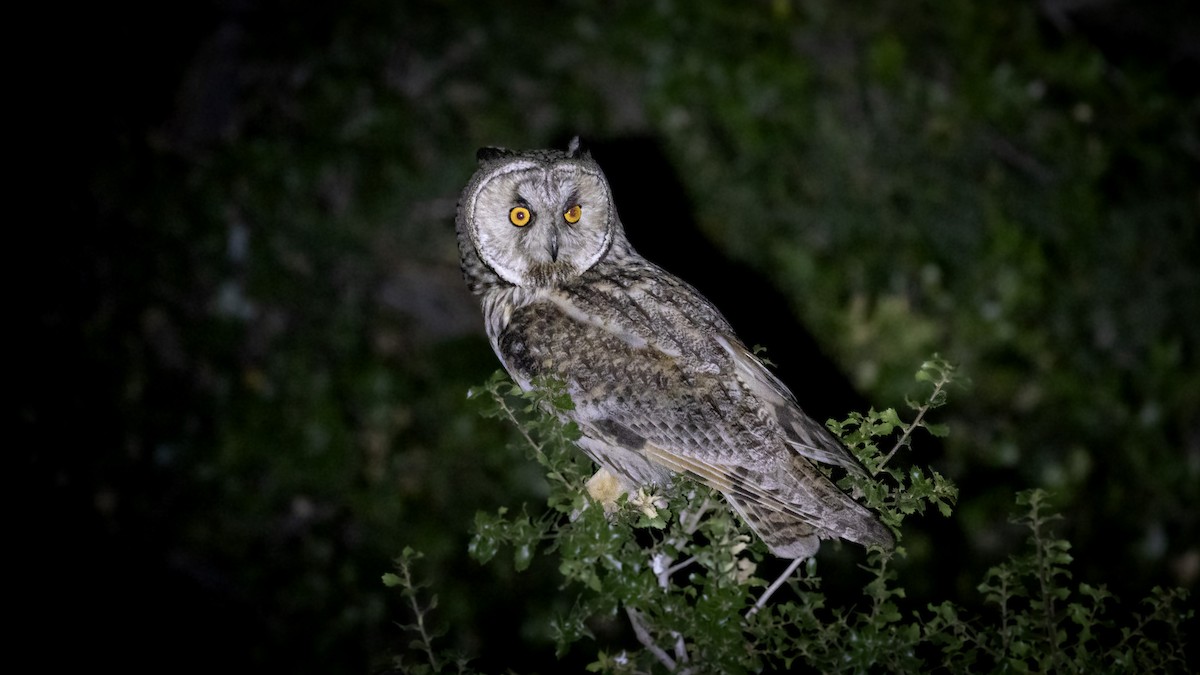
{"x":939,"y":430}
{"x":522,"y":556}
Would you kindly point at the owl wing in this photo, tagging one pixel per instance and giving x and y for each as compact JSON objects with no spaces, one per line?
{"x":656,"y":372}
{"x":789,"y":507}
{"x":804,"y":434}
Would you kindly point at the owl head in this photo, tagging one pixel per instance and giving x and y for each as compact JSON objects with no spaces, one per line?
{"x":535,"y":218}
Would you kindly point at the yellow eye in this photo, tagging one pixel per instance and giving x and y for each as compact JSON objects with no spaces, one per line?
{"x":519,"y":216}
{"x":572,"y":215}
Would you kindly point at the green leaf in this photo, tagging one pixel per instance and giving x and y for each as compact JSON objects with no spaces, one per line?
{"x":522,"y":556}
{"x":939,"y":430}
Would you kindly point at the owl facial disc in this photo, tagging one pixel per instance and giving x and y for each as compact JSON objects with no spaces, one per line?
{"x":538,"y":224}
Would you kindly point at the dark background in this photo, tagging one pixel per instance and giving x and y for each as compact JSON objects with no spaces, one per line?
{"x":243,"y":344}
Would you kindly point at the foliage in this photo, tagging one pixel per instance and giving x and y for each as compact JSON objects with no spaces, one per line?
{"x":248,"y":337}
{"x":425,"y":635}
{"x":684,"y":572}
{"x":1044,"y":623}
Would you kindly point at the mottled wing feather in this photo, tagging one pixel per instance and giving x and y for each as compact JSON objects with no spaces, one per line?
{"x":656,"y":376}
{"x":804,"y":435}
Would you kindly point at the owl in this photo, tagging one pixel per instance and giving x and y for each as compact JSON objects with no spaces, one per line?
{"x":661,"y":384}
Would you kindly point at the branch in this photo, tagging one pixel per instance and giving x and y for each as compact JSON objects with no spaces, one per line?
{"x":411,"y":591}
{"x":762,"y":600}
{"x":643,"y":636}
{"x":534,"y":445}
{"x":937,"y":388}
{"x":691,"y":521}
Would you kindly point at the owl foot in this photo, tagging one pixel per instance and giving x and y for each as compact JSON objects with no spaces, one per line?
{"x":605,"y":489}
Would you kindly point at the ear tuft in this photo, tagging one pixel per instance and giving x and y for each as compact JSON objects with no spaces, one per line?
{"x":483,"y":155}
{"x":576,"y":149}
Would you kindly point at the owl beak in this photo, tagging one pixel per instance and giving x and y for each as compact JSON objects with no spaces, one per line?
{"x":552,"y":245}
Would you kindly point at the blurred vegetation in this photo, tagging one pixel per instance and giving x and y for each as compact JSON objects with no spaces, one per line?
{"x":248,"y":345}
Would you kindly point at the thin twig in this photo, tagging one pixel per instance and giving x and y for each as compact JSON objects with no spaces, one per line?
{"x":664,"y":576}
{"x":762,"y":600}
{"x":908,"y":431}
{"x":675,"y":568}
{"x":426,"y":640}
{"x":1045,"y":580}
{"x":693,"y":521}
{"x":537,"y":447}
{"x":680,"y":647}
{"x":643,"y":636}
{"x":1004,"y":632}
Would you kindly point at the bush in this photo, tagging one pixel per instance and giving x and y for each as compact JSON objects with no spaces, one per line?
{"x":684,"y":572}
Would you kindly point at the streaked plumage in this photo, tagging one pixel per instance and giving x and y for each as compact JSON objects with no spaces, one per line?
{"x":660,"y":382}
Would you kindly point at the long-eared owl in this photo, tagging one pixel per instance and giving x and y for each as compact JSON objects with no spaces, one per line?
{"x":661,"y":385}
